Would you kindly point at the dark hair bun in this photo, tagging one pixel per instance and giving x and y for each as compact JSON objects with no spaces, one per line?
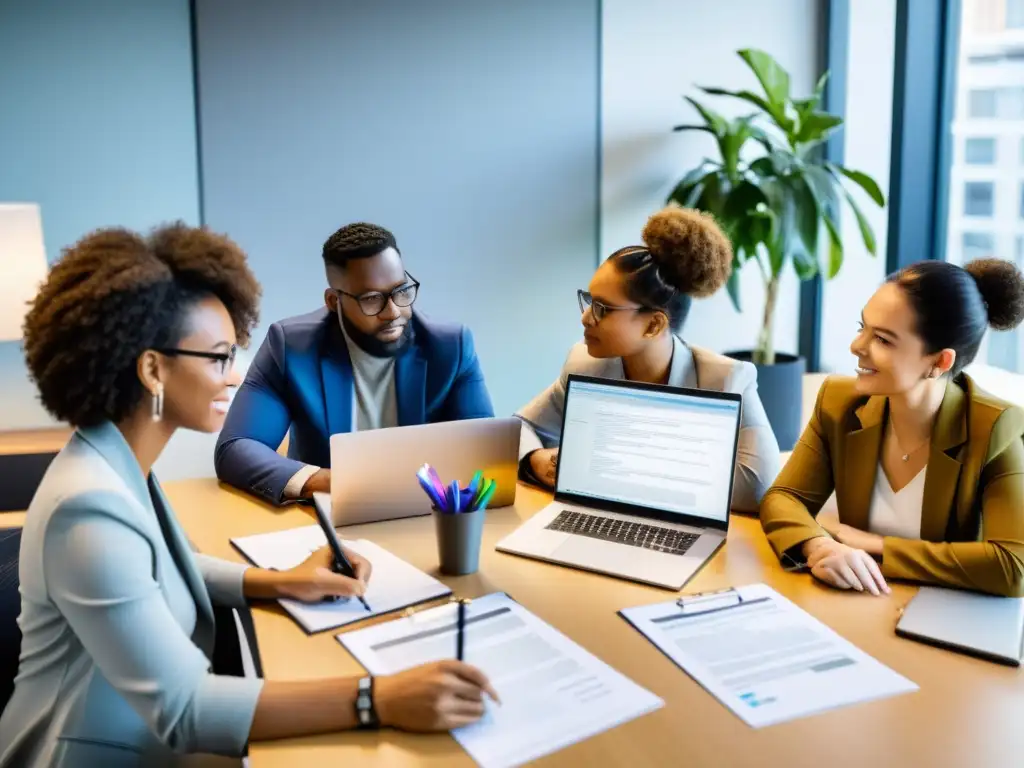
{"x":1002,"y":289}
{"x":693,"y":254}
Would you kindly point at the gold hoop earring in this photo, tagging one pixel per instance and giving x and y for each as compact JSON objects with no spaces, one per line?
{"x":158,"y":403}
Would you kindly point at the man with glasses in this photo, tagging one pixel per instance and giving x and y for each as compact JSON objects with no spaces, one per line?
{"x":364,"y":361}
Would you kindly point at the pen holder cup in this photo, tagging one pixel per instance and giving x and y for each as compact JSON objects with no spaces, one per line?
{"x":458,"y":540}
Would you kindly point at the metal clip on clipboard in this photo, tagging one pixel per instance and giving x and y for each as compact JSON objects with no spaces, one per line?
{"x":707,"y":601}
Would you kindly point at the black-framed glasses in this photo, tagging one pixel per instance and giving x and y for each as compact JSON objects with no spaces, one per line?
{"x":599,"y":308}
{"x":374,"y":302}
{"x":226,"y":359}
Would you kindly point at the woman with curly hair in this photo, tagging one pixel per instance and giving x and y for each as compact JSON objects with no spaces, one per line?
{"x":129,"y":339}
{"x":633,"y":317}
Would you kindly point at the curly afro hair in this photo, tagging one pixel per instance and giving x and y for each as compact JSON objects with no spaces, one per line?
{"x":1002,"y":289}
{"x":686,"y":256}
{"x":113,"y":295}
{"x":693,"y":255}
{"x":357,"y":241}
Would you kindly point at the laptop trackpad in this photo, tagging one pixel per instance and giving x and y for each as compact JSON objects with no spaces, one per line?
{"x":598,"y":554}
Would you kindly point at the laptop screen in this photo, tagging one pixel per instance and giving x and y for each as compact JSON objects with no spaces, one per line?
{"x":657,"y":448}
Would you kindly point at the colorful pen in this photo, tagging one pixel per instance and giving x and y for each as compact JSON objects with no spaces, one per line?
{"x":435,"y":479}
{"x":453,"y":492}
{"x":485,"y":499}
{"x":474,"y":484}
{"x":428,"y":488}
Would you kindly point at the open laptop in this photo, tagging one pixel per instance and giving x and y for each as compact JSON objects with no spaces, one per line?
{"x":373,"y":473}
{"x":643,"y":485}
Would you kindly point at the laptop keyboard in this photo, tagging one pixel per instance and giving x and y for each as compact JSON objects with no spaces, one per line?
{"x":623,"y":532}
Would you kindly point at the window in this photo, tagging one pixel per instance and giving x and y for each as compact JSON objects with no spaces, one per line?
{"x":1014,"y":14}
{"x":1010,"y":103}
{"x":985,"y":164}
{"x":979,"y":198}
{"x":980,"y":151}
{"x":977,"y":245}
{"x":982,"y":103}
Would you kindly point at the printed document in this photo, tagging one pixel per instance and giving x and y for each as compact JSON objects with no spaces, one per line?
{"x":394,"y":583}
{"x":762,"y":656}
{"x":553,"y":692}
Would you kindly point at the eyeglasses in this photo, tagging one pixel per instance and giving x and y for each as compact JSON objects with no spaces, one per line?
{"x":373,"y":303}
{"x":599,"y":308}
{"x":226,"y":359}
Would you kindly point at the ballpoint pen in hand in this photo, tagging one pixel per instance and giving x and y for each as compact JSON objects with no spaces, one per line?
{"x":341,"y":563}
{"x":460,"y":640}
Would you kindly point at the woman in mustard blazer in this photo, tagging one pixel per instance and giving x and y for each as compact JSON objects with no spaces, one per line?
{"x":928,"y":469}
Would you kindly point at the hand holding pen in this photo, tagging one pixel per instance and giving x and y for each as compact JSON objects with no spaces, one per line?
{"x":316,"y":579}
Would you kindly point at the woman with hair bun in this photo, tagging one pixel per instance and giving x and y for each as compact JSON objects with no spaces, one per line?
{"x":928,"y":470}
{"x":633,"y":317}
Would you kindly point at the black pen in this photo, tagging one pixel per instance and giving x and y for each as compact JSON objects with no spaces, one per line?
{"x":341,"y":563}
{"x":460,"y":641}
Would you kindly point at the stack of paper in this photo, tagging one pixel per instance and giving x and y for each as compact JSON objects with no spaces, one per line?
{"x":762,"y":656}
{"x":394,"y":583}
{"x":553,"y":692}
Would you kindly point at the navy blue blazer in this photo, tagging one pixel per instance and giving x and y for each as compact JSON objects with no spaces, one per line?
{"x":301,"y":379}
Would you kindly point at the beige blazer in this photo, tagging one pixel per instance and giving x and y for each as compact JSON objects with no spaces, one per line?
{"x":757,"y":461}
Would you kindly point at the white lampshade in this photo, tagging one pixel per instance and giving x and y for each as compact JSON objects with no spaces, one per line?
{"x":22,"y":264}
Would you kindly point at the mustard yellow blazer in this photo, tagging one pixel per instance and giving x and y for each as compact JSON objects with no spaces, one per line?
{"x":972,"y":520}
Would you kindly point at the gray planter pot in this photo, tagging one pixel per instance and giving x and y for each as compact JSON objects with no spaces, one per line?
{"x":781,"y":389}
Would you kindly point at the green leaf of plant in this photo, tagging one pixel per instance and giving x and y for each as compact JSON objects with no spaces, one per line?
{"x":807,"y":221}
{"x":713,"y":196}
{"x":731,"y":144}
{"x":835,"y":250}
{"x":773,"y":78}
{"x":862,"y":180}
{"x":866,"y":232}
{"x":819,"y":88}
{"x":764,"y":138}
{"x":823,"y":186}
{"x":732,"y":285}
{"x":748,"y":96}
{"x":704,"y":128}
{"x":815,"y":126}
{"x":762,"y":167}
{"x":715,"y":121}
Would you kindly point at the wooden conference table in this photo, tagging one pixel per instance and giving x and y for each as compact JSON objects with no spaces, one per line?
{"x":967,"y":712}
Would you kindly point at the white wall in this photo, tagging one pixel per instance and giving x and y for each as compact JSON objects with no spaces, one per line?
{"x":653,"y":53}
{"x":867,"y":141}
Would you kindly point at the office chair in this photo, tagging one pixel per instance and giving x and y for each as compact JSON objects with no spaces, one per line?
{"x":10,"y":607}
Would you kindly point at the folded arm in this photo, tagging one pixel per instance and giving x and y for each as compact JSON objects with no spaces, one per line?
{"x":789,"y":508}
{"x":118,"y":612}
{"x":996,"y":563}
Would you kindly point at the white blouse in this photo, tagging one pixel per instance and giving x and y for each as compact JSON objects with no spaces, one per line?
{"x":897,"y":513}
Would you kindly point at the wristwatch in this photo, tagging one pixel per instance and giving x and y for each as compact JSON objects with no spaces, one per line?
{"x":366,"y":712}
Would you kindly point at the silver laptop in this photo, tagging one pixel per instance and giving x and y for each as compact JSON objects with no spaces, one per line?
{"x":643,"y":485}
{"x":979,"y":625}
{"x":373,"y":474}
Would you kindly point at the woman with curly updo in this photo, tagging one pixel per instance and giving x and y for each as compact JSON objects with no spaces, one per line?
{"x":633,"y":317}
{"x":129,"y":339}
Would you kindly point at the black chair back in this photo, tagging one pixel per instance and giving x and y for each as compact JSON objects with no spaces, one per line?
{"x":10,"y":607}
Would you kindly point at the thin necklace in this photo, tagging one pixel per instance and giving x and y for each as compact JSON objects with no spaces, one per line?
{"x":906,"y":456}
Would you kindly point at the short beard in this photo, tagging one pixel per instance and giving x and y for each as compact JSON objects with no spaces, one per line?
{"x":372,"y":345}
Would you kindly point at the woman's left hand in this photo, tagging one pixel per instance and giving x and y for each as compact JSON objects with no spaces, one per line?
{"x":313,"y":579}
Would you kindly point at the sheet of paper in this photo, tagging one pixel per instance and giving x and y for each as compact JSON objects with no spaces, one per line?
{"x":765,"y":658}
{"x":394,"y":584}
{"x":553,"y":692}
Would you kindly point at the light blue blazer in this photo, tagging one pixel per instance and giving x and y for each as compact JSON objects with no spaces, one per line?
{"x":117,"y":624}
{"x":757,"y":459}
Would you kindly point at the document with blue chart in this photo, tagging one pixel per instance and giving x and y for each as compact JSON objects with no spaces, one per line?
{"x":762,"y":656}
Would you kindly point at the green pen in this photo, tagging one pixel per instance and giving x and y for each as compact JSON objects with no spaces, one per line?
{"x":485,"y":497}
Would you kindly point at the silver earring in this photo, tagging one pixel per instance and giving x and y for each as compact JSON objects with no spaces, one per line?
{"x":158,"y":403}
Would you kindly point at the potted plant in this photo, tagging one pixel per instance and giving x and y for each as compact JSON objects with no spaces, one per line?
{"x":776,"y":196}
